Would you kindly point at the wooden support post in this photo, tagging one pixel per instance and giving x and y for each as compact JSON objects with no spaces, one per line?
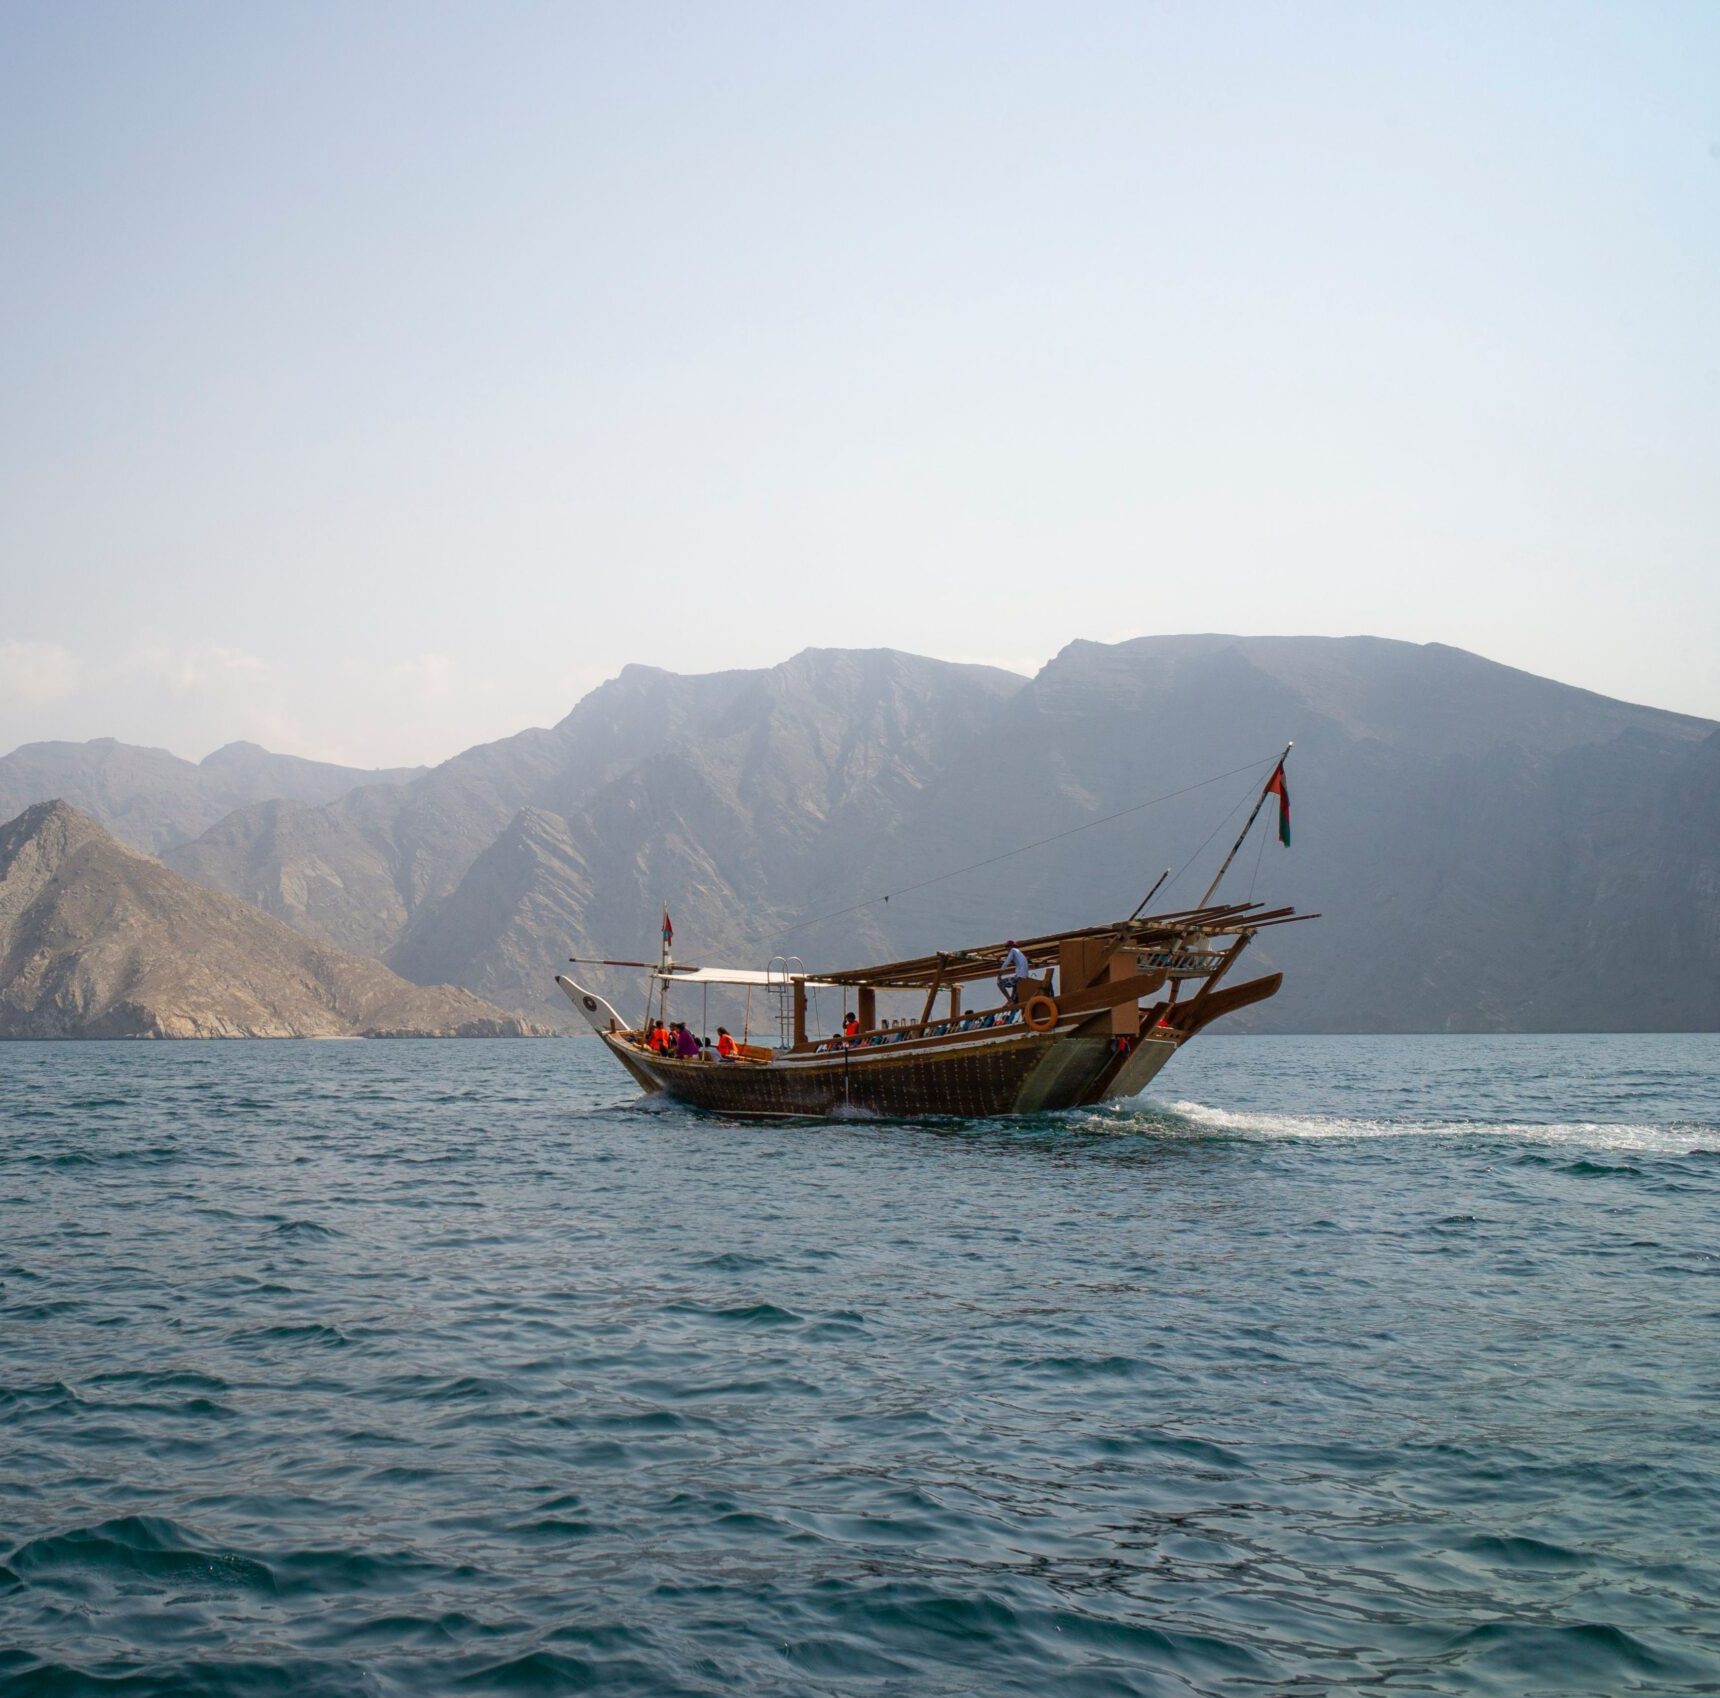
{"x":1125,"y":1016}
{"x":1218,"y":973}
{"x":868,"y":1008}
{"x":800,"y":1013}
{"x":932,"y":994}
{"x":955,"y":1002}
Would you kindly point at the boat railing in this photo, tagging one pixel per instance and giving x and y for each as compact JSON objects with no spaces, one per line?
{"x":884,"y":1036}
{"x":1180,"y":963}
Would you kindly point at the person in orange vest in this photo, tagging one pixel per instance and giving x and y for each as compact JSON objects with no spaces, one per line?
{"x":850,"y":1027}
{"x":725,"y":1044}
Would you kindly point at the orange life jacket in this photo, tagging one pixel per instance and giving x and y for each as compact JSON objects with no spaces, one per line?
{"x":725,"y":1045}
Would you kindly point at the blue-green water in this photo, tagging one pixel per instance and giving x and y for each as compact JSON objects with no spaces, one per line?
{"x":1339,"y":1364}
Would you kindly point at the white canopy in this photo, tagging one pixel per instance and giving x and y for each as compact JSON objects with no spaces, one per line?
{"x":727,"y":976}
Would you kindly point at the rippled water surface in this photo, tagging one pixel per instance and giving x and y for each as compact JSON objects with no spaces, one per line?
{"x":1339,"y":1364}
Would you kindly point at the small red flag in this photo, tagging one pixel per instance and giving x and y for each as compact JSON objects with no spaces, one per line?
{"x":1275,"y":786}
{"x":668,"y":930}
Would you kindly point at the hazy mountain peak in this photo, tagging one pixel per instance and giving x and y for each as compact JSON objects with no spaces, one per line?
{"x":153,"y":799}
{"x":1430,"y":697}
{"x":877,"y":666}
{"x":238,"y":750}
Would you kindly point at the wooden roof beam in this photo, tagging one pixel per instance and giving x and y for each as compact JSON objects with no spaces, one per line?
{"x":965,"y":965}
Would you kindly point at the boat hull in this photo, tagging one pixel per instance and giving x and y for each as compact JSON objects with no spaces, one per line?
{"x":980,"y":1074}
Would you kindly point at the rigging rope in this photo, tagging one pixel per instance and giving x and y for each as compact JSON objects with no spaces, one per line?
{"x":1008,"y":854}
{"x":1259,"y":855}
{"x":1236,"y":807}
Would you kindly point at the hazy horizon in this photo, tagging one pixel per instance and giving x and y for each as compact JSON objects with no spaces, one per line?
{"x":379,"y":382}
{"x":198,"y":751}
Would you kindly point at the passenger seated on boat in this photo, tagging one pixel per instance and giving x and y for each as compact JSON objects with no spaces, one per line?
{"x":686,"y":1045}
{"x":725,"y":1045}
{"x":1014,"y":970}
{"x":655,"y":1037}
{"x":850,"y":1027}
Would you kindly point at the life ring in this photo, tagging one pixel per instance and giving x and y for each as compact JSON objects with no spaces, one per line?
{"x":1040,"y":1014}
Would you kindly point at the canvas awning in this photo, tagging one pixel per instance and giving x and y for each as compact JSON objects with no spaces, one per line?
{"x":676,"y":974}
{"x":728,"y":976}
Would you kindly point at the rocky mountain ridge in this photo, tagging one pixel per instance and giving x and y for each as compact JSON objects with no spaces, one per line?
{"x":97,"y":940}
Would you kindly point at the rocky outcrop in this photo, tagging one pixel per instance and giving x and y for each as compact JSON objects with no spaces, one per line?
{"x":99,"y":941}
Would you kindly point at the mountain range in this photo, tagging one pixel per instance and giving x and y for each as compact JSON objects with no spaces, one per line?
{"x":152,"y":800}
{"x":1488,"y":849}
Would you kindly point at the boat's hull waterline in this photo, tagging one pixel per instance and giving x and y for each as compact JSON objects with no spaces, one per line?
{"x":976,"y":1073}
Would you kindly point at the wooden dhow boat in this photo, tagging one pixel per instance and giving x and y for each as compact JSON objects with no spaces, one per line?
{"x":1099,"y":1013}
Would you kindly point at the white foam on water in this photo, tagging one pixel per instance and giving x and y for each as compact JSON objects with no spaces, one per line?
{"x":653,"y":1102}
{"x":1649,"y":1137}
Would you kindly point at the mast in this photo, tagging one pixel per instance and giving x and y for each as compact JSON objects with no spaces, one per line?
{"x":1150,"y":894}
{"x":1265,"y":791}
{"x":663,"y":960}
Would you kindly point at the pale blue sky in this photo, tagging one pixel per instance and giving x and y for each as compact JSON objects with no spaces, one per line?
{"x":374,"y":379}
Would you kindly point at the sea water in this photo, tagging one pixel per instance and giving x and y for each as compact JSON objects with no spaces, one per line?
{"x":1338,"y":1364}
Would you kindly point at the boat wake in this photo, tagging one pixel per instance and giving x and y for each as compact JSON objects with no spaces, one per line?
{"x":1669,"y":1138}
{"x":650,"y":1102}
